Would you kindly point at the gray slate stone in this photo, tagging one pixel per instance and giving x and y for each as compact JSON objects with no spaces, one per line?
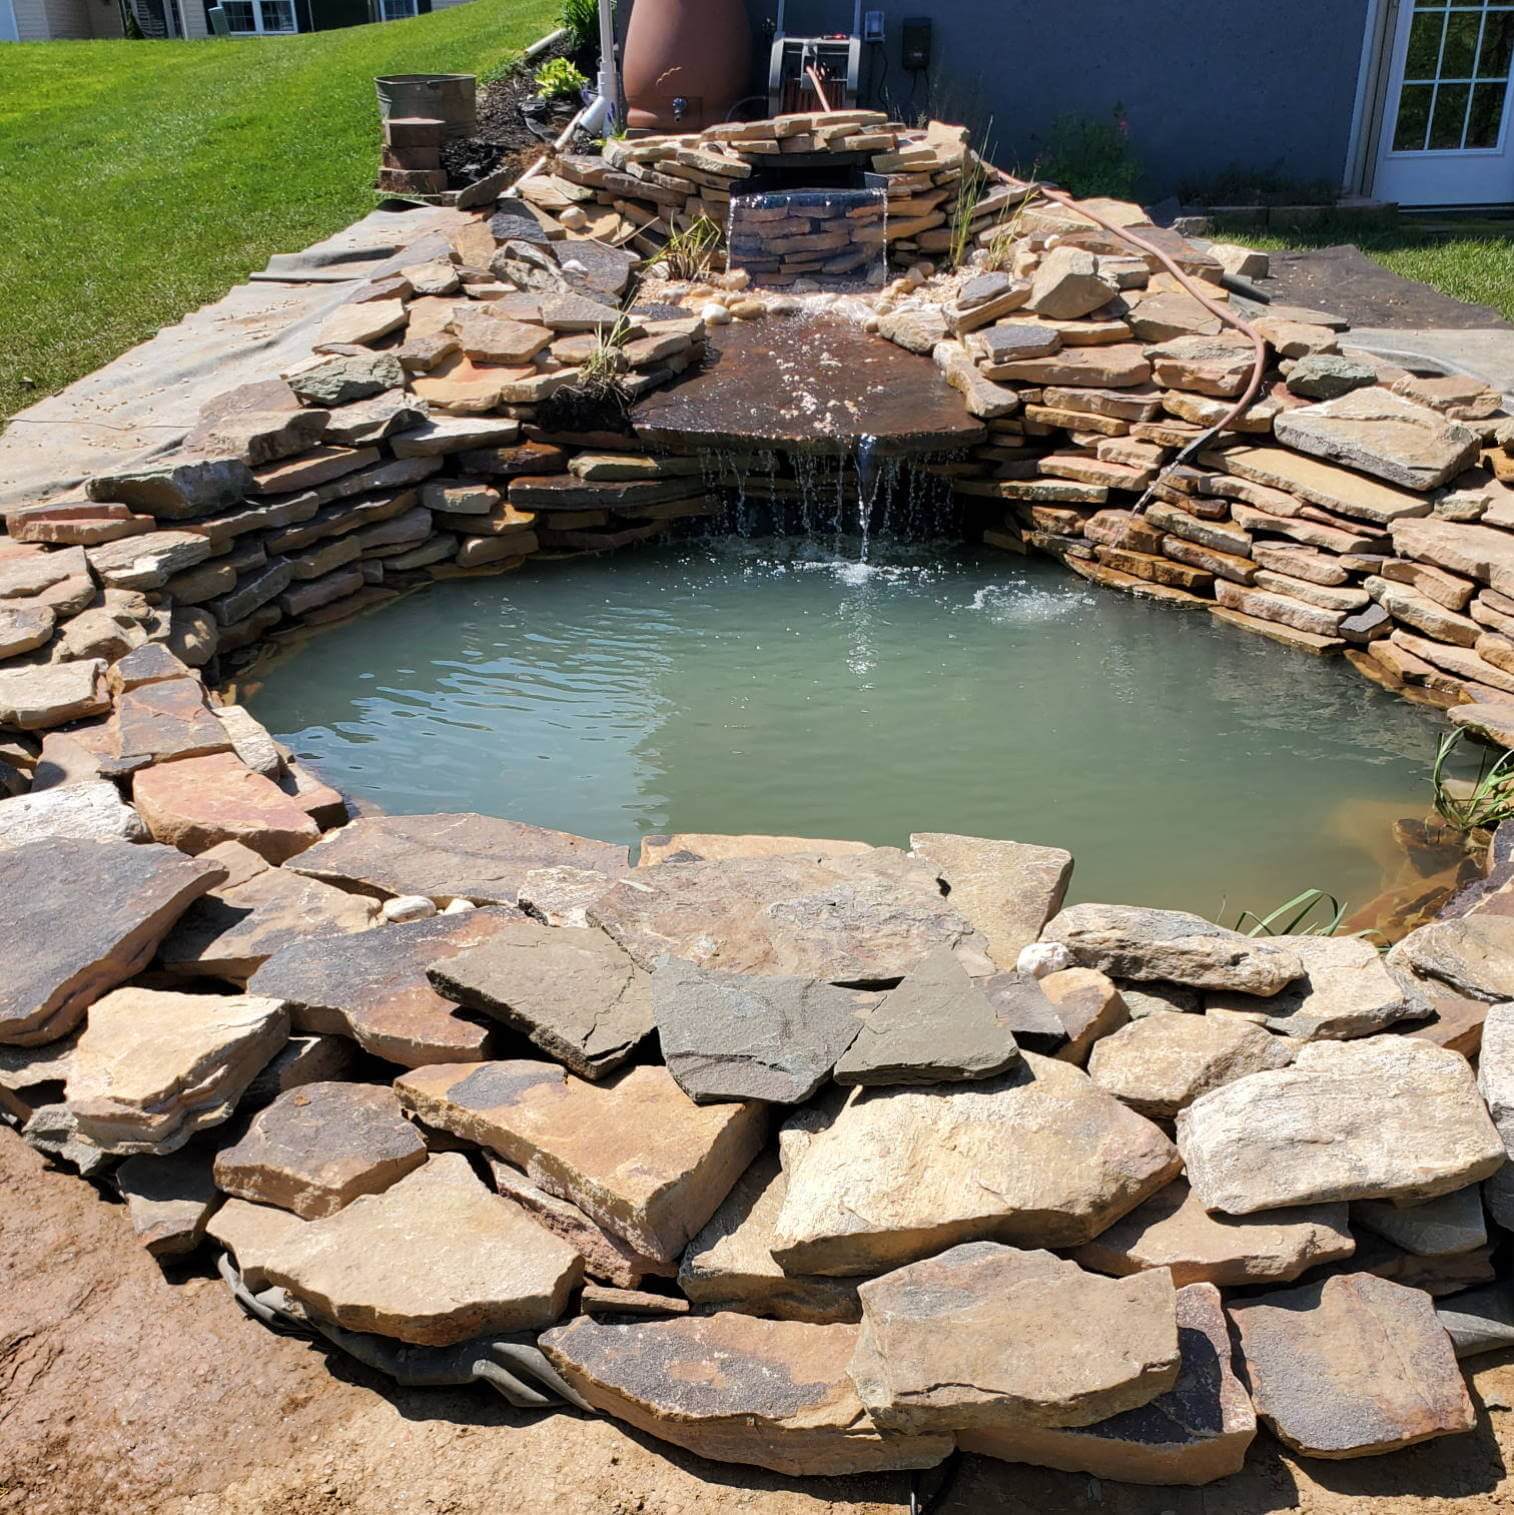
{"x":937,"y":1027}
{"x":1130,"y":941}
{"x":574,"y":993}
{"x":734,"y":1036}
{"x":1481,"y":1320}
{"x":176,"y":488}
{"x":1445,"y":1226}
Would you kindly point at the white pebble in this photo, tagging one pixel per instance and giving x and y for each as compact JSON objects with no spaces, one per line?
{"x":408,"y":907}
{"x":783,"y":305}
{"x":736,"y":278}
{"x":714,"y":315}
{"x":1041,"y":958}
{"x":459,"y":907}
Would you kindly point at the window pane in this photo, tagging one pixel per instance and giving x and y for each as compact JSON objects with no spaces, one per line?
{"x":1450,"y":116}
{"x":1487,"y":114}
{"x":239,"y":15}
{"x":1413,"y":118}
{"x":1497,"y":45}
{"x":1461,"y":44}
{"x":1424,"y":45}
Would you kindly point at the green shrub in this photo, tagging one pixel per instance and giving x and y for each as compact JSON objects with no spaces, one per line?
{"x":1088,"y":157}
{"x":581,"y":18}
{"x":559,"y":80}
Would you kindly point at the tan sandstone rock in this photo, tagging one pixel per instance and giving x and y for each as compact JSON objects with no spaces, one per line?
{"x":852,"y":919}
{"x":1036,"y":1156}
{"x":433,"y":1260}
{"x":1382,"y":1118}
{"x":1162,"y":1063}
{"x":1173,"y":1230}
{"x":199,"y":802}
{"x":730,"y":1264}
{"x":991,"y":1337}
{"x":447,"y":857}
{"x":1195,"y":1433}
{"x":152,"y":1067}
{"x":635,"y":1153}
{"x":1008,"y":890}
{"x":1346,"y":991}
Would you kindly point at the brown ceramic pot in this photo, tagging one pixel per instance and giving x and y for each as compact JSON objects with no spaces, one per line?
{"x":697,"y":51}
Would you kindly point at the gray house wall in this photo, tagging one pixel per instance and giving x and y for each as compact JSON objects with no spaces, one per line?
{"x":1206,"y":85}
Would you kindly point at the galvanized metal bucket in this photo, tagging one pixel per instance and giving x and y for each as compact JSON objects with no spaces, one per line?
{"x":452,"y":98}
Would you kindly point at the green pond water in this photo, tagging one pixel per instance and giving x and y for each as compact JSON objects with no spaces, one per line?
{"x":771,"y":686}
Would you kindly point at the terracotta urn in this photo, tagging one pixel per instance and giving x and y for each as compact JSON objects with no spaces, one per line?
{"x":687,"y":63}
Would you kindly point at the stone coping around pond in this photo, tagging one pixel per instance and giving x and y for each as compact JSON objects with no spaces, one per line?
{"x":243,"y":1006}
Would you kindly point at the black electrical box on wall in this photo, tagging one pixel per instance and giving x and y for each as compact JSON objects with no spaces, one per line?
{"x":915,"y":32}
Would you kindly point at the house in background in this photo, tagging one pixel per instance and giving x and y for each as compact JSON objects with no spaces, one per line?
{"x":1401,"y":100}
{"x":79,"y":20}
{"x":56,"y":20}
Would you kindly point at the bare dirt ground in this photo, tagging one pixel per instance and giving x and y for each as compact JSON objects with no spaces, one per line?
{"x":121,"y":1391}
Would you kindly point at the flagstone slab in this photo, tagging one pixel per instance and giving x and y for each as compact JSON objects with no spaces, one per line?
{"x":1037,"y":1156}
{"x":1162,"y":1063}
{"x":562,"y":896}
{"x":1173,"y":1230}
{"x":234,"y":929}
{"x":635,"y":1153}
{"x":938,"y":1026}
{"x":1346,"y":991}
{"x":79,"y":917}
{"x":433,"y":1260}
{"x":733,"y":1388}
{"x":318,"y":1147}
{"x":1383,"y":1118}
{"x":1384,"y":434}
{"x":152,"y":1067}
{"x":991,"y":1337}
{"x":605,"y":1255}
{"x":574,"y":993}
{"x":729,"y":1264}
{"x":1131,"y":941}
{"x":1315,"y":1357}
{"x":91,"y":811}
{"x":856,"y":919}
{"x":1008,"y":890}
{"x":169,"y":1200}
{"x":692,"y":846}
{"x":1446,"y":1226}
{"x":452,"y":856}
{"x":199,"y":802}
{"x":250,"y":1233}
{"x":1320,"y":483}
{"x":37,"y":697}
{"x":773,"y":1037}
{"x":372,"y":986}
{"x":1196,"y":1432}
{"x":1473,"y":954}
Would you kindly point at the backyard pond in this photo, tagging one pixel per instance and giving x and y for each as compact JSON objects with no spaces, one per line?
{"x":778,"y":686}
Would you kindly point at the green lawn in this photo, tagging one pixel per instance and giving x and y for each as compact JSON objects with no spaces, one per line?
{"x":1471,"y":260}
{"x":141,"y":179}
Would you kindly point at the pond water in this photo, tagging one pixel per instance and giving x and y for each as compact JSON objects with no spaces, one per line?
{"x":771,"y":686}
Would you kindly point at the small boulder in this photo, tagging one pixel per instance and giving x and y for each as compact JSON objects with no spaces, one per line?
{"x":1130,"y":941}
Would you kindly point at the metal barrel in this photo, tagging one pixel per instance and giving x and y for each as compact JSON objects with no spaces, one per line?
{"x":452,"y":98}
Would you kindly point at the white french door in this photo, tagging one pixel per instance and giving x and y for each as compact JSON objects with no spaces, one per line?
{"x":256,"y":18}
{"x":1446,"y":131}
